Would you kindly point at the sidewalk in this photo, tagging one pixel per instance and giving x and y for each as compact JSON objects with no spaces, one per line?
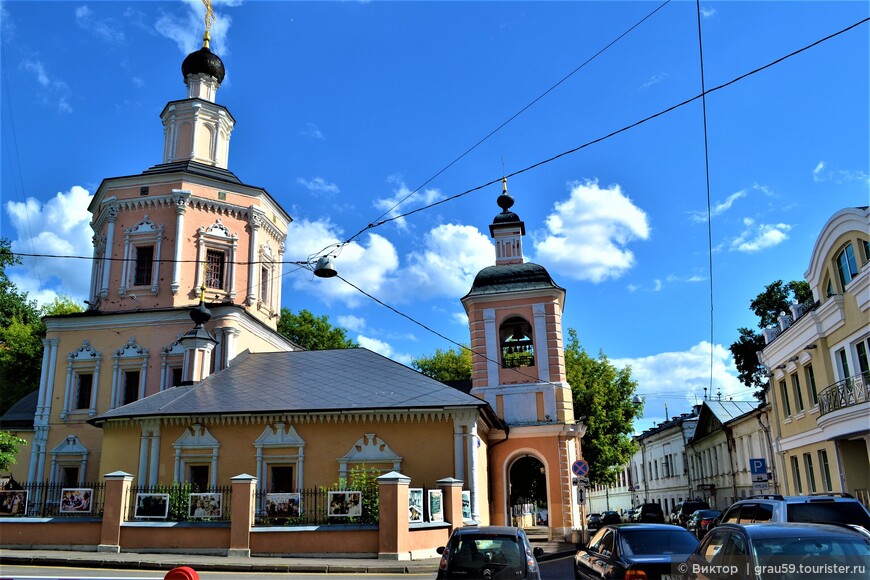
{"x":201,"y":563}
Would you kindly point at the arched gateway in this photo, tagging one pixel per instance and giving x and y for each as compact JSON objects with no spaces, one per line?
{"x":518,"y":366}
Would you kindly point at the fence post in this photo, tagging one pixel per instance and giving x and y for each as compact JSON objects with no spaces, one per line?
{"x":451,"y":489}
{"x":244,"y":488}
{"x":116,"y":502}
{"x":393,"y":533}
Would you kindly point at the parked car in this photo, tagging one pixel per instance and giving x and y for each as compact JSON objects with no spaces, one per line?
{"x":700,"y":522}
{"x":681,"y":512}
{"x":611,"y":517}
{"x":780,"y":550}
{"x":593,"y":521}
{"x":488,"y":552}
{"x":649,"y":513}
{"x":840,"y":508}
{"x":635,"y":551}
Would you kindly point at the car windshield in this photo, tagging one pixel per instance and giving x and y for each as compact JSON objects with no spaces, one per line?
{"x":844,"y":512}
{"x":707,"y":513}
{"x":779,"y":557}
{"x":661,"y":542}
{"x":488,"y":556}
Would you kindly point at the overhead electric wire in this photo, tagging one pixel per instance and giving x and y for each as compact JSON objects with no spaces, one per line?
{"x":512,"y":117}
{"x":707,"y":176}
{"x":618,"y":131}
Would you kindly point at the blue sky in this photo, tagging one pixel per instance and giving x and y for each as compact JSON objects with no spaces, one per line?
{"x":344,"y":108}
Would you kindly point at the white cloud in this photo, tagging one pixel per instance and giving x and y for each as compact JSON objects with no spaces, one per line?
{"x":312,"y":130}
{"x":654,"y":80}
{"x":61,"y":227}
{"x":404,"y":200}
{"x":352,"y":323}
{"x":821,"y":173}
{"x":384,"y":349}
{"x":460,"y":318}
{"x":757,"y":237}
{"x":186,"y":29}
{"x":587,"y":235}
{"x":817,"y":172}
{"x":318,"y":184}
{"x":707,"y":13}
{"x":452,"y":257}
{"x":55,"y":92}
{"x":719,"y":208}
{"x":105,"y":28}
{"x":678,"y":379}
{"x":367,"y":263}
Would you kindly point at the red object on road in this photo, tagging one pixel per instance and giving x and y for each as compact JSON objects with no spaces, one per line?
{"x":182,"y":573}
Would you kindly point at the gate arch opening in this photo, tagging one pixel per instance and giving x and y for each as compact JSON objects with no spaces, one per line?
{"x":527,"y":478}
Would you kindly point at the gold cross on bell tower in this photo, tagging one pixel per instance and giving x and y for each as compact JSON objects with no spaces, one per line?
{"x":209,"y":18}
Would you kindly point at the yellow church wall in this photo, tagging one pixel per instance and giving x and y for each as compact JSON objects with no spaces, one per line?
{"x":120,"y":451}
{"x":19,"y":469}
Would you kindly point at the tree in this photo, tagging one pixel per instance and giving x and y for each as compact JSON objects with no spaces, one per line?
{"x":9,"y":446}
{"x":313,"y":332}
{"x":21,"y":333}
{"x":603,"y":400}
{"x":776,"y":298}
{"x":446,"y":365}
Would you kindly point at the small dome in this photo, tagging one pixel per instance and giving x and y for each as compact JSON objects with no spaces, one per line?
{"x":506,"y":217}
{"x":203,"y":61}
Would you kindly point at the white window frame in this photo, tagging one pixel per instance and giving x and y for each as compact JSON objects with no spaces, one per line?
{"x":217,"y":237}
{"x":196,"y":446}
{"x":145,"y":233}
{"x":130,"y":357}
{"x":80,"y":361}
{"x":171,"y":357}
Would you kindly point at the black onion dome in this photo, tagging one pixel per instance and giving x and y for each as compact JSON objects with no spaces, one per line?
{"x":200,"y":315}
{"x":512,"y":278}
{"x":505,"y":217}
{"x":203,"y":61}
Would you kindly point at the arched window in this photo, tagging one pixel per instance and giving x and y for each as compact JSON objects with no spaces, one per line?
{"x":517,"y":347}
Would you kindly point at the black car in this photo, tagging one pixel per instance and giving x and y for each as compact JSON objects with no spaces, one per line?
{"x":649,"y":513}
{"x":780,"y":550}
{"x":635,"y":551}
{"x":593,"y":521}
{"x":491,"y":552}
{"x":700,"y":522}
{"x":610,"y":517}
{"x":681,"y":512}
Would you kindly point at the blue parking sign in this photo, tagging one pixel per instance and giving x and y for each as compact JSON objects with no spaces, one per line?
{"x":758,"y":466}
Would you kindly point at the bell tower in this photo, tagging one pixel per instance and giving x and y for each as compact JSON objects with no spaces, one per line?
{"x":518,"y":366}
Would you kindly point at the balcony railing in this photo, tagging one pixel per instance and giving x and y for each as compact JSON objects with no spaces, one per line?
{"x":846,"y":393}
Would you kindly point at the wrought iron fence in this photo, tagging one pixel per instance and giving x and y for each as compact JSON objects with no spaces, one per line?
{"x":43,"y":499}
{"x":180,"y":503}
{"x":845,"y":393}
{"x":314,"y":506}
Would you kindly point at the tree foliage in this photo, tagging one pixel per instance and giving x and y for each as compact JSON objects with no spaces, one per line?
{"x":776,"y":298}
{"x":603,"y":399}
{"x":446,"y":365}
{"x":21,"y":333}
{"x":313,"y":332}
{"x":9,"y":446}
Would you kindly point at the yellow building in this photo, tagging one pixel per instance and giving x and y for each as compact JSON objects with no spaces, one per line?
{"x":817,"y":359}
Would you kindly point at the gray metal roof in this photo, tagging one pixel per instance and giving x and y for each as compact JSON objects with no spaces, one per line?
{"x":21,"y":414}
{"x":302,"y":381}
{"x":512,"y":278}
{"x":727,"y":410}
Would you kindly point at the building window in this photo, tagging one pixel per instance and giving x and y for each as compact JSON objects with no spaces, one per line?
{"x":84,"y":387}
{"x":796,"y":474}
{"x":826,"y":469}
{"x":282,"y":478}
{"x":861,"y":350}
{"x":798,"y":397}
{"x":69,"y":476}
{"x":197,"y":477}
{"x":786,"y":406}
{"x":176,"y":377}
{"x":214,"y":269}
{"x":811,"y":384}
{"x":811,"y":474}
{"x":866,"y":245}
{"x":264,"y":285}
{"x":843,"y":363}
{"x":131,"y":387}
{"x":144,"y":265}
{"x":517,"y":346}
{"x":846,"y":266}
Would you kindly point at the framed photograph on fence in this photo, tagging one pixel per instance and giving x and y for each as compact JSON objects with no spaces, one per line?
{"x":205,"y":505}
{"x":283,"y":505}
{"x":76,"y":500}
{"x":345,"y":504}
{"x":13,"y":502}
{"x":436,"y":511}
{"x":415,"y":504}
{"x":466,"y":505}
{"x":152,"y":505}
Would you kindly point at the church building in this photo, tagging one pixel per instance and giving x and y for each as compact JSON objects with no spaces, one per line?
{"x":176,"y":371}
